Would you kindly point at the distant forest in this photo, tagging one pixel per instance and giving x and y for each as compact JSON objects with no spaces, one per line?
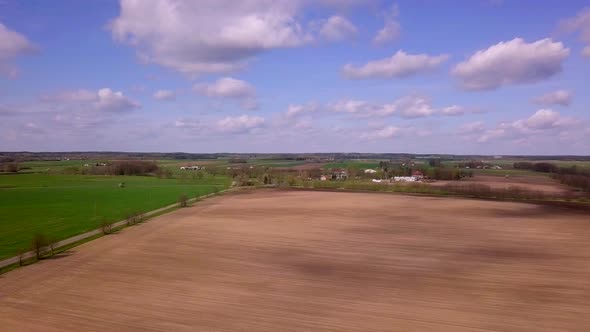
{"x":97,"y":155}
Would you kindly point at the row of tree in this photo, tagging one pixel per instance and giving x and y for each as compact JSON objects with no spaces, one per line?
{"x":572,"y":176}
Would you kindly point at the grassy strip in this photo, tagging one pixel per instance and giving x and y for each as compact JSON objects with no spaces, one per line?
{"x":115,"y":230}
{"x":419,"y":189}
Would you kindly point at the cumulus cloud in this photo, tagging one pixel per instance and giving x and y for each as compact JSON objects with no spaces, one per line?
{"x":388,"y":132}
{"x":165,"y":95}
{"x":352,"y":106}
{"x":400,"y":65}
{"x":297,"y":110}
{"x":337,"y":28}
{"x":113,"y":101}
{"x":12,"y":44}
{"x":230,"y":88}
{"x":104,"y":99}
{"x":472,"y":127}
{"x":240,"y":124}
{"x":412,"y":106}
{"x":511,"y":62}
{"x":195,"y":37}
{"x":544,"y":119}
{"x":559,"y":97}
{"x":391,"y":30}
{"x":456,"y":110}
{"x":580,"y":24}
{"x":383,"y":133}
{"x":542,"y":122}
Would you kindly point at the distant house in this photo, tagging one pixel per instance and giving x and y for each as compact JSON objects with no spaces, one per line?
{"x":418,"y":175}
{"x":339,"y":174}
{"x":323,"y":178}
{"x":377,"y":180}
{"x":190,"y":168}
{"x":370,"y":171}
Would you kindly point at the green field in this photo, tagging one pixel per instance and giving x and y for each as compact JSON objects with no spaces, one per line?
{"x":61,"y":206}
{"x":361,"y":164}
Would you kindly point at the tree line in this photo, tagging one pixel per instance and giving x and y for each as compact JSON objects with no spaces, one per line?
{"x":572,"y":176}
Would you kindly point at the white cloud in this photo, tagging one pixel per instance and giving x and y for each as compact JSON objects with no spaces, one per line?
{"x":113,"y":101}
{"x":12,"y":44}
{"x":472,"y":127}
{"x":581,"y":24}
{"x":391,"y":30}
{"x":542,"y":123}
{"x":230,"y":88}
{"x":337,"y":28}
{"x":558,"y":97}
{"x":399,"y":65}
{"x":240,"y":124}
{"x":297,"y":110}
{"x":165,"y":95}
{"x":104,"y":99}
{"x":195,"y":37}
{"x":511,"y":62}
{"x":456,"y":110}
{"x":352,"y":106}
{"x":412,"y":106}
{"x":543,"y":119}
{"x":383,"y":133}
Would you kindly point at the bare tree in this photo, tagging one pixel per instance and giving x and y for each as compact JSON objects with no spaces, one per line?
{"x":52,"y":243}
{"x":39,"y":244}
{"x":21,"y":257}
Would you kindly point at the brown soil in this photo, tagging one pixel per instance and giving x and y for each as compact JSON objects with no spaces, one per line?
{"x":321,"y":261}
{"x":537,"y":183}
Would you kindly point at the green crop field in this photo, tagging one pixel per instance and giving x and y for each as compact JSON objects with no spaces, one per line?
{"x":361,"y":164}
{"x":61,"y":206}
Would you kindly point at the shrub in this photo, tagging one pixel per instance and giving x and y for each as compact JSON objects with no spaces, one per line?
{"x":183,"y":201}
{"x":134,"y":218}
{"x":107,"y":227}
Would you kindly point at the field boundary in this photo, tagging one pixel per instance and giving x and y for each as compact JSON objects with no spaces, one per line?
{"x":119,"y":224}
{"x":555,"y":203}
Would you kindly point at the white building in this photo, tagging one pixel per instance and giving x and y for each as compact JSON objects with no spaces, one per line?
{"x":405,"y":179}
{"x":370,"y":171}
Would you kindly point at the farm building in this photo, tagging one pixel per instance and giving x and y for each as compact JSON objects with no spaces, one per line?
{"x":190,"y":168}
{"x":405,"y":179}
{"x":339,"y":174}
{"x":370,"y":171}
{"x":418,"y":175}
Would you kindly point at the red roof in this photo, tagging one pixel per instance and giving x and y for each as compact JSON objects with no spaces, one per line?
{"x":417,"y":173}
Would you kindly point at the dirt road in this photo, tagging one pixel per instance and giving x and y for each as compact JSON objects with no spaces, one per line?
{"x":318,"y":261}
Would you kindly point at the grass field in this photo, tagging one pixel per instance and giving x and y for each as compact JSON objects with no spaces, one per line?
{"x":361,"y":164}
{"x":61,"y":206}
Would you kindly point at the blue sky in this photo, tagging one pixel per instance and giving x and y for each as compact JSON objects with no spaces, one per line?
{"x":465,"y":77}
